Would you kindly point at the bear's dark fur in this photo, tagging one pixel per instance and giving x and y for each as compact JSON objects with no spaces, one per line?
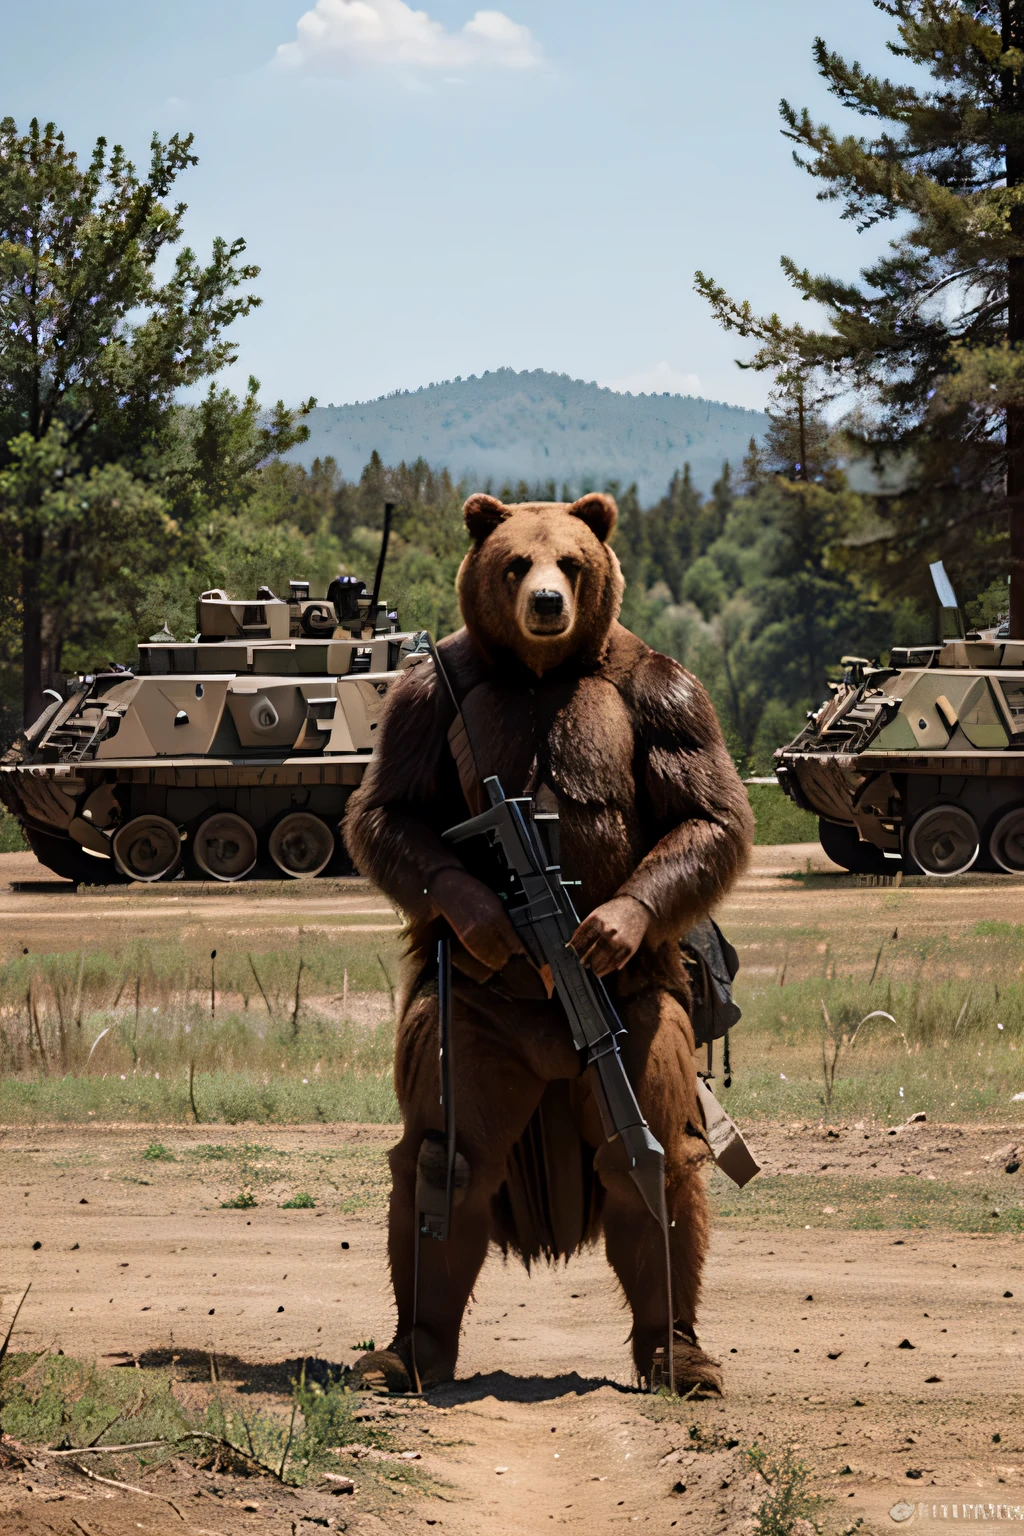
{"x":558,"y":699}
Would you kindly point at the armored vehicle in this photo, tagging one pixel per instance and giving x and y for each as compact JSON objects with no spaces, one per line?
{"x":223,"y":757}
{"x":919,"y":766}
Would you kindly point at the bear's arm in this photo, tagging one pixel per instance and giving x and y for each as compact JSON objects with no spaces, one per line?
{"x":693,"y":795}
{"x":409,"y":793}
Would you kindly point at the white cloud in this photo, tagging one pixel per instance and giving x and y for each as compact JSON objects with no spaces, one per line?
{"x":338,"y":36}
{"x":656,"y":380}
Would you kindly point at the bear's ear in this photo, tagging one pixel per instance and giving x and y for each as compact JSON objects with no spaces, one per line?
{"x":483,"y":514}
{"x":598,"y":511}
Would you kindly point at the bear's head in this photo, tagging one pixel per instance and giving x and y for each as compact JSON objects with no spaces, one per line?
{"x":541,"y":580}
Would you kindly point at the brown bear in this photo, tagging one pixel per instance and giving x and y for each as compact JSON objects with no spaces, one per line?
{"x":559,"y":700}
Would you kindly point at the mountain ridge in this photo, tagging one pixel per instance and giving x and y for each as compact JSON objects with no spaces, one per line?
{"x":503,"y":426}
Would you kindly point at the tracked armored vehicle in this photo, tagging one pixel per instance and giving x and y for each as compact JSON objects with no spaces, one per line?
{"x":919,"y":766}
{"x":225,"y":757}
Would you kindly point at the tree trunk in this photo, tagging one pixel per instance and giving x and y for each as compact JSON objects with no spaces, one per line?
{"x":1013,"y":37}
{"x":31,"y":628}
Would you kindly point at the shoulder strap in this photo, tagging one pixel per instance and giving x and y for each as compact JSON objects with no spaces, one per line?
{"x":459,"y":743}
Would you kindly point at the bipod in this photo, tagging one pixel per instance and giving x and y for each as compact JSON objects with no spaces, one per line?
{"x":438,"y":1167}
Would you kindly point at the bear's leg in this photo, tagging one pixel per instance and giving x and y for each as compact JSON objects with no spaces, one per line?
{"x":504,"y":1053}
{"x":661,"y":1063}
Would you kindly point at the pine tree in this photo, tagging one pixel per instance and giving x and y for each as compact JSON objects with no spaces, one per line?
{"x":931,"y":339}
{"x":102,"y":321}
{"x":672,"y":531}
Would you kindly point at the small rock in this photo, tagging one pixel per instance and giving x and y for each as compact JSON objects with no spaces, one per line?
{"x":1013,"y":1165}
{"x":905,"y":1344}
{"x":213,"y":1309}
{"x":500,"y":1470}
{"x":1007,"y":1295}
{"x":931,"y":1380}
{"x":808,"y":1298}
{"x":83,"y":1202}
{"x":834,"y":1354}
{"x":338,"y":1483}
{"x":918,"y":1118}
{"x":914,"y":1472}
{"x":344,"y":1245}
{"x":679,"y":1487}
{"x":281,"y":1309}
{"x":411,"y":1455}
{"x":73,"y":1247}
{"x":35,"y":1246}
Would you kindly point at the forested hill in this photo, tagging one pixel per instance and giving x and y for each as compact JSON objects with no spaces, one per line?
{"x":508,"y":426}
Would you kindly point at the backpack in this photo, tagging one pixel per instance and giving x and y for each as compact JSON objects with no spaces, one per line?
{"x":712,"y":963}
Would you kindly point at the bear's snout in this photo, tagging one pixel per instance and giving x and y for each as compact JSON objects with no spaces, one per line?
{"x":547,"y":609}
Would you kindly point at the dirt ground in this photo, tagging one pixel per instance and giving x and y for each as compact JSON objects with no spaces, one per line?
{"x":137,"y":1259}
{"x":815,"y":1281}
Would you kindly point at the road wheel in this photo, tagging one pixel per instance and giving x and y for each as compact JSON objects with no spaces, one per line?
{"x":1006,"y":845}
{"x":225,"y":846}
{"x":301,"y":845}
{"x":944,"y":841}
{"x":147,"y":848}
{"x":844,"y":847}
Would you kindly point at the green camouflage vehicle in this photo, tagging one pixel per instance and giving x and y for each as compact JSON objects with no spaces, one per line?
{"x":224,"y":757}
{"x":919,"y":766}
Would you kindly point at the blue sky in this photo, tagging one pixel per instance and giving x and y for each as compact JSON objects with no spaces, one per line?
{"x":428,"y":198}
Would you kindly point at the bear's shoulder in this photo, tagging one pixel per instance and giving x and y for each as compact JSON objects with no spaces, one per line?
{"x":464,"y":662}
{"x":662,"y":696}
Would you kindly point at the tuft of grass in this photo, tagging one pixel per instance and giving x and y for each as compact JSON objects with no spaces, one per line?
{"x":156,"y":1152}
{"x":52,"y":1399}
{"x":303,"y":1201}
{"x":63,"y":1403}
{"x":789,"y":1499}
{"x":243,"y":1201}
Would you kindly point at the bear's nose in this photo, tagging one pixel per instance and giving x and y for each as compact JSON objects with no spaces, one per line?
{"x":547,"y":602}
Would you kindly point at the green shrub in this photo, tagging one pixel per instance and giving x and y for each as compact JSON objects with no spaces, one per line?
{"x":12,"y":839}
{"x":777,"y":819}
{"x":243,"y":1201}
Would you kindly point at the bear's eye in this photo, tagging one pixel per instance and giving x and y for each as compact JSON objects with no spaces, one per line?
{"x":518,"y":568}
{"x":570,"y":567}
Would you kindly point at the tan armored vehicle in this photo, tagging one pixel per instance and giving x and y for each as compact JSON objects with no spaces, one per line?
{"x":919,"y":766}
{"x":224,"y":757}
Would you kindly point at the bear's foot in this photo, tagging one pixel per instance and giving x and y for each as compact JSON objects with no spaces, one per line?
{"x":382,"y":1370}
{"x":395,"y":1369}
{"x":695,"y":1372}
